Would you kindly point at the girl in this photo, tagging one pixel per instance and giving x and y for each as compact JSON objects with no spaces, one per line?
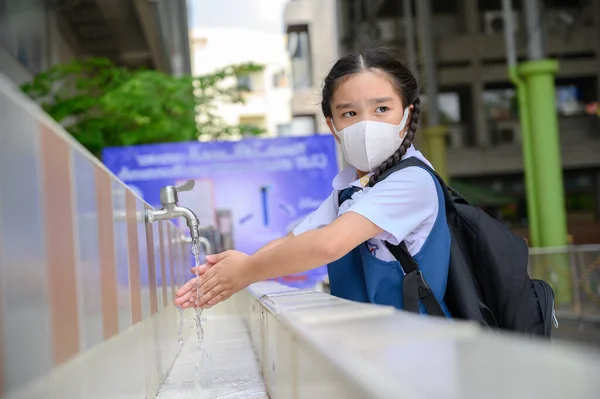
{"x":371,"y":105}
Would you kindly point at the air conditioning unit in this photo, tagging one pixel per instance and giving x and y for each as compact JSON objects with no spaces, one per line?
{"x":494,"y":22}
{"x":559,"y":21}
{"x":559,"y":17}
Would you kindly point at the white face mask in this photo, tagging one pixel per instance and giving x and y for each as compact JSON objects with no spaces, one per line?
{"x":367,"y":144}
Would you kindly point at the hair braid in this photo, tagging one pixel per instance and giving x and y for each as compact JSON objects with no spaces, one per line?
{"x":406,"y":143}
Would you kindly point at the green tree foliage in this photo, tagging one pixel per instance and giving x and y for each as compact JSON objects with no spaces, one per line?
{"x":103,"y":105}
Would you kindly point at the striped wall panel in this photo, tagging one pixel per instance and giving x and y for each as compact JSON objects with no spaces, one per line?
{"x":78,"y":265}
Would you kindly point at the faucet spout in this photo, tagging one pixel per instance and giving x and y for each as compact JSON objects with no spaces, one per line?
{"x":171,"y":210}
{"x":192,"y":221}
{"x":202,"y":240}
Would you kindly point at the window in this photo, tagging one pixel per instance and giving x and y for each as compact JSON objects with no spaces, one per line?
{"x":572,"y":94}
{"x":501,"y":112}
{"x":201,"y":43}
{"x":303,"y":125}
{"x":244,"y":82}
{"x":500,"y":104}
{"x":280,"y":80}
{"x":568,"y":100}
{"x":450,"y":107}
{"x":284,"y":130}
{"x":253,"y":122}
{"x":252,"y":82}
{"x":299,"y":50}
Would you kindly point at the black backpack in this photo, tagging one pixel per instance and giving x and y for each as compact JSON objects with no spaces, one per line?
{"x":488,"y":281}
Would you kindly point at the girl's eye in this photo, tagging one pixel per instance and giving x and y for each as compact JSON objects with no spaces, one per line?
{"x":349,"y":114}
{"x":381,"y":109}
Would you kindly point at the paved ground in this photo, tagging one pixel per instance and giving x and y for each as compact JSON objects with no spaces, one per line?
{"x":231,"y":373}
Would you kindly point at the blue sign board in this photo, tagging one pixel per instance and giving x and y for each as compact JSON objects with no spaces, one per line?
{"x":265,"y":186}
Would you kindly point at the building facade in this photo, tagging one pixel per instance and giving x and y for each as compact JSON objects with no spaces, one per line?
{"x":313,"y":49}
{"x":36,"y":34}
{"x":476,"y":99}
{"x":267,"y":93}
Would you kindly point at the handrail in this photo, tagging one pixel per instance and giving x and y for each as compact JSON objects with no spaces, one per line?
{"x":563,"y":249}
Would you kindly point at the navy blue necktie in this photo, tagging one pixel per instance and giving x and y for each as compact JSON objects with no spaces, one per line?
{"x":347,"y":193}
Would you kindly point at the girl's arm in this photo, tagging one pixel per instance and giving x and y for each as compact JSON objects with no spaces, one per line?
{"x":232,"y":271}
{"x":275,"y":243}
{"x":312,"y":249}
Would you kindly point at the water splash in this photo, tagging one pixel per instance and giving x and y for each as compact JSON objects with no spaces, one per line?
{"x":202,"y":354}
{"x":199,"y":319}
{"x":180,"y":331}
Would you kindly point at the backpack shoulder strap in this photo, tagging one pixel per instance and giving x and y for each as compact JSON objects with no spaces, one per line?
{"x":451,"y":196}
{"x":405,"y":163}
{"x":415,"y":287}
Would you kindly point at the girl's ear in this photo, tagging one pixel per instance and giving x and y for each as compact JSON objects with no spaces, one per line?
{"x":329,"y":121}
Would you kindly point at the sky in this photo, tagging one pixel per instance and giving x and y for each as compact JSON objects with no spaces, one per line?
{"x":262,"y":15}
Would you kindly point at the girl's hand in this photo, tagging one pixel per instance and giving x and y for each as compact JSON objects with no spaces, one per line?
{"x":229,"y":274}
{"x":186,"y":295}
{"x":224,"y":275}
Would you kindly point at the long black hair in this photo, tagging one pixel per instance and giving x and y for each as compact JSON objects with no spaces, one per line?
{"x":401,"y":77}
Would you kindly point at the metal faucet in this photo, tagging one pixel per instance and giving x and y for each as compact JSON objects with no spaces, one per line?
{"x":202,"y":240}
{"x":170,"y":209}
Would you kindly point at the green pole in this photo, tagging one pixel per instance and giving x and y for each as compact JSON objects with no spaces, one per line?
{"x":538,"y":76}
{"x":545,"y":151}
{"x":528,"y":164}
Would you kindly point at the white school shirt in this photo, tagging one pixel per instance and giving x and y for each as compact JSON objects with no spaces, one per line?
{"x":404,"y":205}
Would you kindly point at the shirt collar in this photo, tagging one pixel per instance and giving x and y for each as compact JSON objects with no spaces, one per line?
{"x":348,"y":176}
{"x":345,"y":179}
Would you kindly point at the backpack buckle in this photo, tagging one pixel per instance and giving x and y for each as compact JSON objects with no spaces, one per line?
{"x":554,"y":319}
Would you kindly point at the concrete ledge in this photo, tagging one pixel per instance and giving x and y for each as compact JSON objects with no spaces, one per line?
{"x":313,"y":345}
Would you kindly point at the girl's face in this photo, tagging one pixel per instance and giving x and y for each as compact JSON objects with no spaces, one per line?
{"x":365,"y":96}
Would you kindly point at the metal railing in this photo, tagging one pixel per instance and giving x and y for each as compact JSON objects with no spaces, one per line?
{"x":574,"y":274}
